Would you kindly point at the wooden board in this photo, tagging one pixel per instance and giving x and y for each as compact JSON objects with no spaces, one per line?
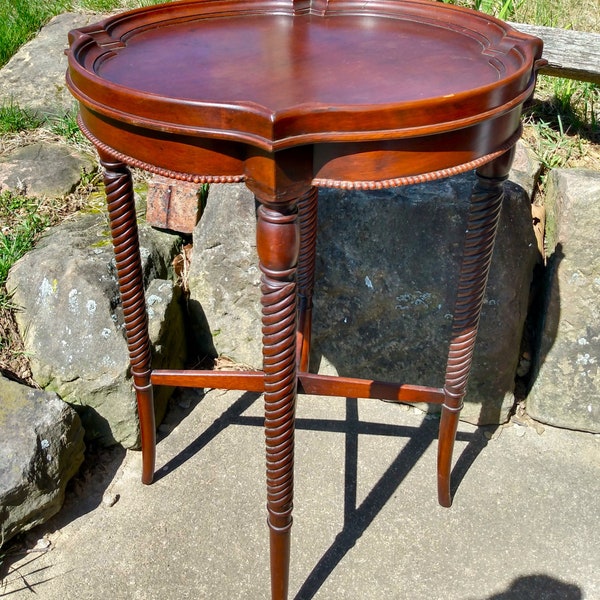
{"x":570,"y":54}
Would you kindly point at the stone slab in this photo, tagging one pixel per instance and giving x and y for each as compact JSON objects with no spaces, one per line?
{"x":44,"y":169}
{"x":566,"y":388}
{"x":34,"y":78}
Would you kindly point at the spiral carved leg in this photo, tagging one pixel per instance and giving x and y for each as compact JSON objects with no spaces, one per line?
{"x":278,"y":246}
{"x":123,"y":226}
{"x":307,"y":216}
{"x":484,"y":212}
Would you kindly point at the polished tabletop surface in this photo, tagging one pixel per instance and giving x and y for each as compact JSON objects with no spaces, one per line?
{"x":283,"y":61}
{"x":277,"y":74}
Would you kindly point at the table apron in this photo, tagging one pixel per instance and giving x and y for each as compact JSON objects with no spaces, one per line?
{"x":336,"y":164}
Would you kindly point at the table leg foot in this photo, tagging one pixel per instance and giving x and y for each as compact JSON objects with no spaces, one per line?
{"x":484,"y":212}
{"x":279,"y":547}
{"x":123,"y":226}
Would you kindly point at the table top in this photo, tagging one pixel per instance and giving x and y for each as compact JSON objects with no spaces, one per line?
{"x":278,"y":74}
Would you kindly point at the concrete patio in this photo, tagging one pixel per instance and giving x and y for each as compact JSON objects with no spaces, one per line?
{"x":524,"y":524}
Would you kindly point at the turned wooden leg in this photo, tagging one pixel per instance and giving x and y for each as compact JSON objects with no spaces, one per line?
{"x":123,"y":227}
{"x":307,"y":216}
{"x":484,"y":212}
{"x":278,"y":247}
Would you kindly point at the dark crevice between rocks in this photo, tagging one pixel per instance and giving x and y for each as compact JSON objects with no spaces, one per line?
{"x":201,"y":351}
{"x":537,"y":303}
{"x":533,"y":331}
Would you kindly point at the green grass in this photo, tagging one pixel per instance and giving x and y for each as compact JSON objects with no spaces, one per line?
{"x":579,"y":101}
{"x":562,"y":122}
{"x":503,"y":9}
{"x":14,"y":119}
{"x":66,"y":127}
{"x":20,"y":20}
{"x":582,"y":15}
{"x":22,"y":223}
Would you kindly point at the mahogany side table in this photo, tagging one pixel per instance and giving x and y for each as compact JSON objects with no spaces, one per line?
{"x":289,"y":96}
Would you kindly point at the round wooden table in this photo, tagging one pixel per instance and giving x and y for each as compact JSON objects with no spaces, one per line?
{"x":289,"y":97}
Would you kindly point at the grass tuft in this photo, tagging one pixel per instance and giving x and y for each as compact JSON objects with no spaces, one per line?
{"x":581,"y":15}
{"x":22,"y":222}
{"x":14,"y":119}
{"x":503,"y":9}
{"x":66,"y":127}
{"x":562,"y":123}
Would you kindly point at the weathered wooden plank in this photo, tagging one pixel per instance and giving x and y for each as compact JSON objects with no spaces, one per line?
{"x":570,"y":54}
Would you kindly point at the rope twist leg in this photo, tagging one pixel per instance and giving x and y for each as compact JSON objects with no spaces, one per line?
{"x":484,"y":213}
{"x":123,"y":227}
{"x":278,"y":248}
{"x":307,"y":217}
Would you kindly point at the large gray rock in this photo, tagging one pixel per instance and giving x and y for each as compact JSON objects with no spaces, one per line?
{"x":385,"y":280}
{"x":72,"y":325}
{"x":566,"y":389}
{"x":224,"y":278}
{"x":44,"y":169}
{"x":42,"y":448}
{"x":34,"y":77}
{"x":166,"y":327}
